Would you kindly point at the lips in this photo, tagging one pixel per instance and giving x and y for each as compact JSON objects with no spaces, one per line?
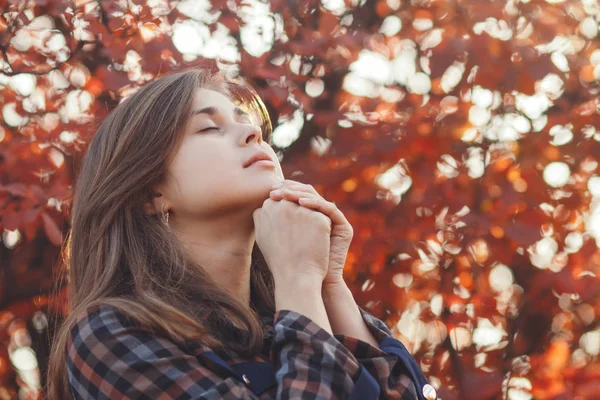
{"x":261,"y":155}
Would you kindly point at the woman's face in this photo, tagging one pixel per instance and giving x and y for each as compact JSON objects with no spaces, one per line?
{"x":208,"y":176}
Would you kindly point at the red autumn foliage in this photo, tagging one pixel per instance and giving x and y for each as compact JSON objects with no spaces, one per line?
{"x":460,"y":138}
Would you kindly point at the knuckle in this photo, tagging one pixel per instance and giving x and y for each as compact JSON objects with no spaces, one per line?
{"x":322,"y":219}
{"x":304,"y":211}
{"x":288,"y":206}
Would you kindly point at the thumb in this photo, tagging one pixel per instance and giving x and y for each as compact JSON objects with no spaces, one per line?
{"x":256,"y":215}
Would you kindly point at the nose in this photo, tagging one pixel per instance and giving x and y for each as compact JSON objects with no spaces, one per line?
{"x":252,"y":133}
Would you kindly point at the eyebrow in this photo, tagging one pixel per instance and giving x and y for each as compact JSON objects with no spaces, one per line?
{"x":212,"y":111}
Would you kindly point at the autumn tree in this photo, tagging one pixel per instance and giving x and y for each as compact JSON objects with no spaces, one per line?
{"x":460,"y":138}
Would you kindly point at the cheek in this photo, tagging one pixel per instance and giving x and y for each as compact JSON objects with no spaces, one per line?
{"x":200,"y":175}
{"x":202,"y":161}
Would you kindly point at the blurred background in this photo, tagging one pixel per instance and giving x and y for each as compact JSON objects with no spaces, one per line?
{"x":459,"y":137}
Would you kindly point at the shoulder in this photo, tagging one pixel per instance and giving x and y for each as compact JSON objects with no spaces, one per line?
{"x":104,"y":332}
{"x":100,"y":322}
{"x":110,"y":355}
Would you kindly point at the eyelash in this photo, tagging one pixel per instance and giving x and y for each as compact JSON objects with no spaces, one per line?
{"x":208,"y":129}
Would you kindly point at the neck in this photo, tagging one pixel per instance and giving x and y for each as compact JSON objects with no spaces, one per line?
{"x":223,"y":248}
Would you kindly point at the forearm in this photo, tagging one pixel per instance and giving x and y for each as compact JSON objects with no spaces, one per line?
{"x":303,"y":297}
{"x":344,"y":315}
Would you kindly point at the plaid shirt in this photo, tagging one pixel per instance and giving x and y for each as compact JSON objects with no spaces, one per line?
{"x":110,"y":357}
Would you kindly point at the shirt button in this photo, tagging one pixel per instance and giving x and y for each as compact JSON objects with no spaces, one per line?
{"x":246,"y":380}
{"x":429,"y":392}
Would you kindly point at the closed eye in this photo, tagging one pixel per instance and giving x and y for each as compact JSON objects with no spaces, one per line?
{"x":209,"y":128}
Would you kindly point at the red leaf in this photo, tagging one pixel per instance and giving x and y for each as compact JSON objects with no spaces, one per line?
{"x":52,"y":231}
{"x":31,"y":223}
{"x":15,"y":189}
{"x":11,"y":220}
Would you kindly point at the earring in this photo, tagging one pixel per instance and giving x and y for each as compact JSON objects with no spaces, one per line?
{"x":165,"y":216}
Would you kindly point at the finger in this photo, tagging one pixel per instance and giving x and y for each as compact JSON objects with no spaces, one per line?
{"x":312,"y":201}
{"x":288,"y":194}
{"x":325,"y":207}
{"x":294,"y":185}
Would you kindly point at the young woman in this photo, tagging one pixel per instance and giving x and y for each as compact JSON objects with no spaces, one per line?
{"x":197,"y":272}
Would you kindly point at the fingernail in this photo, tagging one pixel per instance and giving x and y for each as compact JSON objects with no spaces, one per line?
{"x":276,"y":192}
{"x":278,"y":185}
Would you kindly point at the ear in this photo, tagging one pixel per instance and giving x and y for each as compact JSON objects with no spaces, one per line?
{"x":154,"y":206}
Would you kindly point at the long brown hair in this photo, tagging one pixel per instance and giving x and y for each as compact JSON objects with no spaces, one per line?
{"x":117,"y":254}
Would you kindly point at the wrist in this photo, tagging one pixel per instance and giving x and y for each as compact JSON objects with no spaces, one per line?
{"x":336,"y":292}
{"x":299,"y":282}
{"x":334,"y":287}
